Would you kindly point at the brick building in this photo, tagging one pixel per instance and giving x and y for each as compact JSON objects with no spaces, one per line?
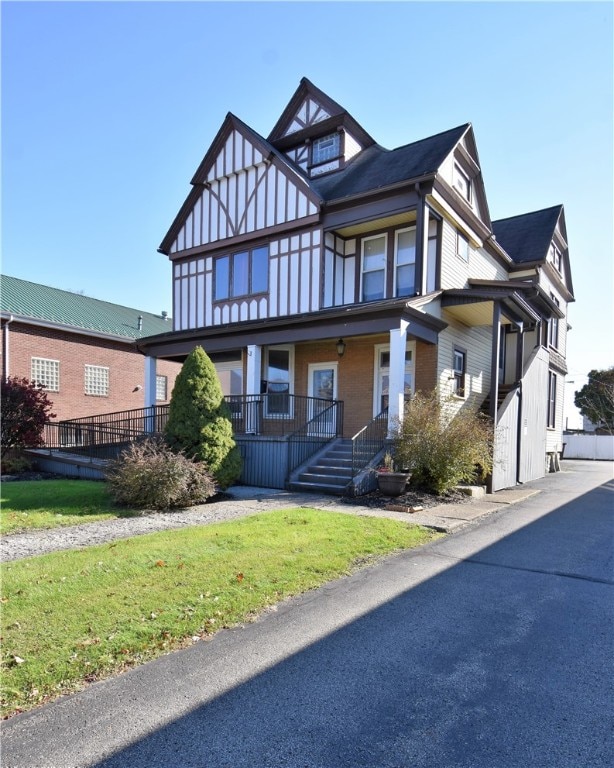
{"x":83,"y":350}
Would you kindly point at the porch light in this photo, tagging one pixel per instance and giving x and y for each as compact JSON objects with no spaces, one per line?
{"x":340,"y":347}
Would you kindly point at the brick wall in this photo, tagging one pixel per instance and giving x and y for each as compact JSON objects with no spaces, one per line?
{"x":126,"y":369}
{"x":355,"y":373}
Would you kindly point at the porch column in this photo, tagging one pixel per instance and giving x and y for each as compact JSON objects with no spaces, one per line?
{"x":252,"y":387}
{"x":396,"y":383}
{"x":494,"y":366}
{"x":520,"y":352}
{"x":150,"y":390}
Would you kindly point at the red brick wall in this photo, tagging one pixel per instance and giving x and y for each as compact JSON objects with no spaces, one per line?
{"x":355,"y":373}
{"x":126,"y":369}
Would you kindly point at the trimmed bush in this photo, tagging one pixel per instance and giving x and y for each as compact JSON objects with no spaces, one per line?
{"x":199,"y":420}
{"x":148,"y":475}
{"x":443,"y":447}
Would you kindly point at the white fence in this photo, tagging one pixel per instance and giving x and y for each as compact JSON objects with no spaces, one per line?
{"x":589,"y":446}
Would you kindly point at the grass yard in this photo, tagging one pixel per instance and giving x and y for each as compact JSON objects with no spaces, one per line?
{"x":75,"y":617}
{"x":50,"y":503}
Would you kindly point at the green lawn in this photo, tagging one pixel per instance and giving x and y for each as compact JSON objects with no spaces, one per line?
{"x":50,"y":503}
{"x":77,"y":616}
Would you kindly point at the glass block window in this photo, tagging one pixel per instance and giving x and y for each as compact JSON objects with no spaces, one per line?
{"x":46,"y":372}
{"x":161,"y":387}
{"x":97,"y":380}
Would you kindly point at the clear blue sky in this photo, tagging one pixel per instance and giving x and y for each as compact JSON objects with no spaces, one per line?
{"x":108,"y":109}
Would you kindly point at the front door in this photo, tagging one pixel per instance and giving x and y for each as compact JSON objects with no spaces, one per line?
{"x":322,"y":384}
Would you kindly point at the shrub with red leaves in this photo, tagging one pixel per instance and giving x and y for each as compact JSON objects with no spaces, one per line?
{"x":25,"y":408}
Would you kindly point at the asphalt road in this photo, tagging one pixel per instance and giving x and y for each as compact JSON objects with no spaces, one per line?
{"x":490,"y":648}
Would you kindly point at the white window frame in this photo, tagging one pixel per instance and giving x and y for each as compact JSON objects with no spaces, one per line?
{"x":553,"y":326}
{"x":552,"y":396}
{"x":362,"y":263}
{"x":460,"y":238}
{"x":397,"y":232}
{"x":46,"y":372}
{"x":377,"y":368}
{"x":159,"y":379}
{"x":96,"y":380}
{"x":462,"y":183}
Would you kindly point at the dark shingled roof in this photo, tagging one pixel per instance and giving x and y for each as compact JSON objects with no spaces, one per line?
{"x":41,"y":302}
{"x":376,"y":167}
{"x":527,"y":237}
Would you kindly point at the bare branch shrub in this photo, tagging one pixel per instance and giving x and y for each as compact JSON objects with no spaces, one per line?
{"x":148,"y":475}
{"x":443,"y":447}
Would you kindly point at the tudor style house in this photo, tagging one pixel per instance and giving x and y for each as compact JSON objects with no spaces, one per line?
{"x":329,"y":278}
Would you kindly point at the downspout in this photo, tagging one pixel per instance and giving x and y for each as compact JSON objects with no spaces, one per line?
{"x":5,"y":348}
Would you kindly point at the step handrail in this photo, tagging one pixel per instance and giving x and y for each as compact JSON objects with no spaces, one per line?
{"x":369,"y":441}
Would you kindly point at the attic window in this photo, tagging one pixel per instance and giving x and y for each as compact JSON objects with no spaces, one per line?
{"x":555,"y":257}
{"x":462,"y":183}
{"x":326,"y":148}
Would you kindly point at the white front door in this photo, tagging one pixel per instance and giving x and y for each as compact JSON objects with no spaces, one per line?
{"x":322,"y":384}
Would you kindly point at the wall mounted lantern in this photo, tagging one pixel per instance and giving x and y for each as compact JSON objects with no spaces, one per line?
{"x":340,"y":347}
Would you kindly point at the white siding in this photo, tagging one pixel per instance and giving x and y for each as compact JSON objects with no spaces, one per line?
{"x":482,"y":266}
{"x":477,"y":342}
{"x":240,"y":200}
{"x":454,"y":270}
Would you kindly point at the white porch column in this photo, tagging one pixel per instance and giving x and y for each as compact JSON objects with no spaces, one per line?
{"x":252,"y":387}
{"x":150,"y":389}
{"x":396,"y":383}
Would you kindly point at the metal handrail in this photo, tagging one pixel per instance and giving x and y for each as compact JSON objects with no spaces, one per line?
{"x":369,"y":441}
{"x":323,"y":427}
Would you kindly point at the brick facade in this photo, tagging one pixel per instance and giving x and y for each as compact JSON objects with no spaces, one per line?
{"x":74,"y":351}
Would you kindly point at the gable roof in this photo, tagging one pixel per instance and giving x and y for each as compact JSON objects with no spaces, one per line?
{"x":336,"y":114}
{"x":376,"y":167}
{"x":527,"y":237}
{"x":35,"y":302}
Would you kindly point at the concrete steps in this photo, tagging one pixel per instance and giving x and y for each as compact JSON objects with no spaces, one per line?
{"x":331,"y":471}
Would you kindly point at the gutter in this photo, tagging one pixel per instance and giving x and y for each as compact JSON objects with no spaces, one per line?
{"x":68,"y":328}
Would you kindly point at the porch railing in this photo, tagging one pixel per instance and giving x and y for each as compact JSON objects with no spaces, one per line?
{"x":93,"y":442}
{"x":135,"y":421}
{"x":325,"y":424}
{"x":278,"y":415}
{"x":369,"y":441}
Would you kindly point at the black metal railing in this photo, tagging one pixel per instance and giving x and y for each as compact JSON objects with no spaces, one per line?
{"x":135,"y":421}
{"x":325,"y":424}
{"x":369,"y":441}
{"x":275,"y":415}
{"x":93,"y":442}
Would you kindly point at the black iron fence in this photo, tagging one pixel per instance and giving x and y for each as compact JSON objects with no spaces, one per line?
{"x":277,"y":415}
{"x":369,"y":441}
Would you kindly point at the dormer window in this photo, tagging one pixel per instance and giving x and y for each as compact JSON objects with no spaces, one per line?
{"x":462,"y":183}
{"x":326,"y":148}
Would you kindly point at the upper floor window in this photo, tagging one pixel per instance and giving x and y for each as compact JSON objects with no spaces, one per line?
{"x":46,"y":372}
{"x":462,"y":183}
{"x":405,"y":263}
{"x":459,"y":371}
{"x":374,"y":267}
{"x":326,"y":148}
{"x":97,"y":380}
{"x":242,"y":273}
{"x":462,"y":246}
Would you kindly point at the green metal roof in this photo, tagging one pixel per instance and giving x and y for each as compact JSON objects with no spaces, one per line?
{"x":33,"y":301}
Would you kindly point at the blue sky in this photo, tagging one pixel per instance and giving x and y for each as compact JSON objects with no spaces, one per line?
{"x":108,"y":109}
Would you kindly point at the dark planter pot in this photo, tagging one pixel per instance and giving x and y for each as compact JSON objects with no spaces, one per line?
{"x":392,"y":483}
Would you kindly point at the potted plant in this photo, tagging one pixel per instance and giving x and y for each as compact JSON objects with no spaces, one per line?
{"x":390,"y":482}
